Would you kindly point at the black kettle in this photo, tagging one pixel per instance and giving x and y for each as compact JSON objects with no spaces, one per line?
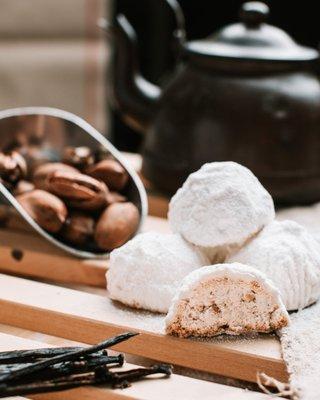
{"x":248,"y":93}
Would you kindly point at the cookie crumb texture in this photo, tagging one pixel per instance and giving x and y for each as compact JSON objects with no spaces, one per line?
{"x":229,"y":299}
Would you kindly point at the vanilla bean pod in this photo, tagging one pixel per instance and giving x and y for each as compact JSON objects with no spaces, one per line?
{"x":101,"y":376}
{"x":25,"y":356}
{"x":67,"y":367}
{"x":74,"y":368}
{"x":29,"y":356}
{"x":70,"y":356}
{"x":45,"y":386}
{"x":93,"y":355}
{"x":122,"y":378}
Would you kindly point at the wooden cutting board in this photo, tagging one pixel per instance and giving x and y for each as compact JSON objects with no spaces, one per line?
{"x":80,"y":316}
{"x":89,"y":318}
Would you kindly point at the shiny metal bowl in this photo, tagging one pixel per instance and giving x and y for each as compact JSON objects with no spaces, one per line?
{"x":45,"y":132}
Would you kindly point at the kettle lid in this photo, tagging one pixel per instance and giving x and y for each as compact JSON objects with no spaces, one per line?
{"x":252,"y":39}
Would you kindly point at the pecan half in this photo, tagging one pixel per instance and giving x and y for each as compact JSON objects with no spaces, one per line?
{"x":116,"y":225}
{"x":23,"y":187}
{"x":12,"y":166}
{"x":42,"y":172}
{"x":111,"y":172}
{"x":115,"y":197}
{"x":79,"y":190}
{"x":79,"y":228}
{"x":47,"y":210}
{"x":79,"y":157}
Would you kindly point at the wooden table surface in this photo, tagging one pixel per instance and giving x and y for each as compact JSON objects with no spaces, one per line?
{"x":72,"y":306}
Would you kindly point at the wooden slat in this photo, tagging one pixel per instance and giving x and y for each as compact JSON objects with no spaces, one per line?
{"x":89,"y":318}
{"x":177,"y":387}
{"x":27,"y":254}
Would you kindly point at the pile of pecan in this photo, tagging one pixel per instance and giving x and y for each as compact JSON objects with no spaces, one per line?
{"x":81,"y":199}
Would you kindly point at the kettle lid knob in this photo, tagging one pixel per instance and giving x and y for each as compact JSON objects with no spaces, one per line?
{"x":254,"y":13}
{"x":252,"y":39}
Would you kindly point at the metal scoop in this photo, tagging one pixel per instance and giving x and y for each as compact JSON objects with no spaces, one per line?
{"x":45,"y":132}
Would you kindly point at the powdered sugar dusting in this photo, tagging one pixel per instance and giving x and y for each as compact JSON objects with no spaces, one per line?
{"x":301,"y":352}
{"x":308,"y":216}
{"x":288,"y":255}
{"x":222,"y":204}
{"x":146,"y":272}
{"x":140,"y":320}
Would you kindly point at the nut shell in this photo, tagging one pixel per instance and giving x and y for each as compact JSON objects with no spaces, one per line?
{"x":23,"y":187}
{"x":42,"y":172}
{"x":115,"y":197}
{"x":116,"y":225}
{"x":79,"y":228}
{"x":79,"y":157}
{"x":78,"y":190}
{"x":12,"y":166}
{"x":47,"y":210}
{"x":111,"y":172}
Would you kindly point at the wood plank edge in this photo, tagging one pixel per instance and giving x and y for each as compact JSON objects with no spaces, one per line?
{"x":20,"y":256}
{"x":175,"y":385}
{"x":214,"y":359}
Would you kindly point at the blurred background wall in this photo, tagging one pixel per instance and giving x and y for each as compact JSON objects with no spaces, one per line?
{"x":52,"y":53}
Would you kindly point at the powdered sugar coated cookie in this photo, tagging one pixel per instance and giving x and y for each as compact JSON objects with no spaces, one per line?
{"x":221,"y":205}
{"x":225,"y":298}
{"x":290,"y":257}
{"x":146,"y":271}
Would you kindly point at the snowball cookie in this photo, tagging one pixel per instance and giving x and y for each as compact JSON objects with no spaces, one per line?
{"x":225,"y":298}
{"x":290,"y":257}
{"x":147,"y":271}
{"x":222,"y":204}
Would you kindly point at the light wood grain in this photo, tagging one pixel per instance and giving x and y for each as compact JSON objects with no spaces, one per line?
{"x":29,"y":255}
{"x":89,"y":318}
{"x":176,"y":387}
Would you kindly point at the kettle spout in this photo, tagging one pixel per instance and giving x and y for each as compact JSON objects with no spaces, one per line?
{"x":133,"y":95}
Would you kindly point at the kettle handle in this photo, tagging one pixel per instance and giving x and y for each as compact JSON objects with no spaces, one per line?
{"x":180,"y":32}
